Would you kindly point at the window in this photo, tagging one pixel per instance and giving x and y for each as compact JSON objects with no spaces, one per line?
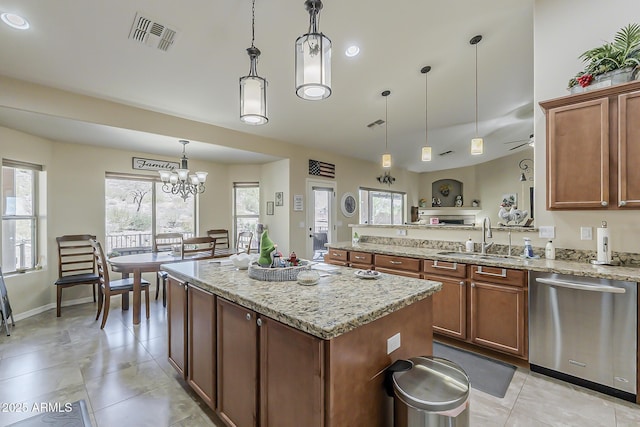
{"x":19,"y":215}
{"x":136,"y":209}
{"x":246,"y":209}
{"x":381,"y":207}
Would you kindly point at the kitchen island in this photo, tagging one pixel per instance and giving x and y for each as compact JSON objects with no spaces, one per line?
{"x":283,"y":354}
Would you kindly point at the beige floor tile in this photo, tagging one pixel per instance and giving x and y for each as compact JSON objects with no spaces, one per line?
{"x":106,"y":360}
{"x":17,"y":389}
{"x":627,"y":414}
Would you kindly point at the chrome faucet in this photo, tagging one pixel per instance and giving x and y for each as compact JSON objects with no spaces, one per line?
{"x":486,"y":234}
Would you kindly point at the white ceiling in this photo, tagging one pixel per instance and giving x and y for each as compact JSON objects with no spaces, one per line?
{"x":83,"y":46}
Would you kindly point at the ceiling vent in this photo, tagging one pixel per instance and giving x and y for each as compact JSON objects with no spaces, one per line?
{"x":446,"y":153}
{"x":148,"y":32}
{"x":378,"y":122}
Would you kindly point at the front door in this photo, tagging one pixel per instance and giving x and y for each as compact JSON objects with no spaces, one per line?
{"x":320,"y":217}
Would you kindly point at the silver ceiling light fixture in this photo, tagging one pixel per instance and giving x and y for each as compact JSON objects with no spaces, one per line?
{"x":386,"y":157}
{"x":253,"y":88}
{"x":477,"y":143}
{"x":180,"y":182}
{"x":313,"y":58}
{"x":426,"y":150}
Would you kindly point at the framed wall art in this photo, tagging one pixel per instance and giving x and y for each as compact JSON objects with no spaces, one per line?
{"x":269,"y":208}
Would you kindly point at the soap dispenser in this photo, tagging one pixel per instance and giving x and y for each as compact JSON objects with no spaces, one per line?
{"x":550,"y":251}
{"x":469,"y":245}
{"x":528,"y":250}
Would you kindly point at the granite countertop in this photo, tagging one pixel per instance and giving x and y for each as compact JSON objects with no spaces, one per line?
{"x":631,"y":274}
{"x":339,"y":303}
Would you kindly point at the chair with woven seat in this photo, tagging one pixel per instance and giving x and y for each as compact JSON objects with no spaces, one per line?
{"x":243,"y":242}
{"x":109,"y":288}
{"x":76,"y":265}
{"x":164,"y":242}
{"x":223,"y":245}
{"x":198,"y":247}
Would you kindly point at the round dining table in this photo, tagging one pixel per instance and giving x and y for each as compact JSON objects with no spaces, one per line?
{"x":137,"y":264}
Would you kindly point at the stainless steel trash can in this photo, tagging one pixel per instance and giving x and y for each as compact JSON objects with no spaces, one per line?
{"x":433,"y":393}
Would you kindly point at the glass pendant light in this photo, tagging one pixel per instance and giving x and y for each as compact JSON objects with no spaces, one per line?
{"x":426,"y":150}
{"x":313,"y":58}
{"x":386,"y":157}
{"x":253,"y":88}
{"x":477,"y":143}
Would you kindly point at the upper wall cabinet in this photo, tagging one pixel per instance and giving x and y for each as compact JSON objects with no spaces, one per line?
{"x":593,"y":149}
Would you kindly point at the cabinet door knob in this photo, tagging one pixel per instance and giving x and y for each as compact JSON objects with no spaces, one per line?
{"x":473,"y":285}
{"x":462,"y":283}
{"x":259,"y":322}
{"x":248,"y":316}
{"x":603,"y":203}
{"x":623,"y":203}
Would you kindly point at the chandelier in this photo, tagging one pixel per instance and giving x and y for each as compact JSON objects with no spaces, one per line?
{"x":180,"y":182}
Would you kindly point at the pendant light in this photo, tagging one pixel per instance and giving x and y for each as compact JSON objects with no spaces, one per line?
{"x":426,"y":150}
{"x":386,"y":157}
{"x":313,"y":58}
{"x":253,"y":88}
{"x":477,"y":143}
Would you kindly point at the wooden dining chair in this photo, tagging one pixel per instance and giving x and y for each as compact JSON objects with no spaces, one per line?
{"x":198,"y":247}
{"x":164,"y":242}
{"x":109,"y":288}
{"x":223,"y":245}
{"x":243,"y":242}
{"x":76,"y":265}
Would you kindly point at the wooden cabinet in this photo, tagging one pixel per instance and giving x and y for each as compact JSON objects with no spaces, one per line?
{"x":337,"y":257}
{"x":592,"y":149}
{"x":259,"y":359}
{"x":450,"y":304}
{"x":362,"y":260}
{"x":177,"y":324}
{"x":401,"y":266}
{"x":201,"y":313}
{"x":497,"y":309}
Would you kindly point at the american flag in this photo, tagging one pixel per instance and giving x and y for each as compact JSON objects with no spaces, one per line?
{"x":319,"y":168}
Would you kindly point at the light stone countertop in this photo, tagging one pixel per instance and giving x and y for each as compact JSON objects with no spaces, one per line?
{"x":339,"y":303}
{"x":630,"y":274}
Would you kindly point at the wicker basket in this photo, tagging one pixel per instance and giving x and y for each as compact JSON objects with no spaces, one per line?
{"x":277,"y":274}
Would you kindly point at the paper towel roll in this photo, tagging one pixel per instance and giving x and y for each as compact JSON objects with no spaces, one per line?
{"x":604,"y":245}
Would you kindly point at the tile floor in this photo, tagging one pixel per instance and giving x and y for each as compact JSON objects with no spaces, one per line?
{"x":123,"y":374}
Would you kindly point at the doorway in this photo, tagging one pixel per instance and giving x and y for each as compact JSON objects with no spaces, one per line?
{"x":320,"y":217}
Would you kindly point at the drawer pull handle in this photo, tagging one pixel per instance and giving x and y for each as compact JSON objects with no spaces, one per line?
{"x":359,"y":257}
{"x":454,"y":266}
{"x":395,"y":262}
{"x":337,"y":255}
{"x":503,"y":274}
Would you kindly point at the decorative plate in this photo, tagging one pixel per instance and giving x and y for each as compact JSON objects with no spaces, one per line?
{"x":367,"y":274}
{"x":348,"y":204}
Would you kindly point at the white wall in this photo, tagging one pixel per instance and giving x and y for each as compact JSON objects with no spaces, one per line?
{"x":562,"y":31}
{"x":274,"y":177}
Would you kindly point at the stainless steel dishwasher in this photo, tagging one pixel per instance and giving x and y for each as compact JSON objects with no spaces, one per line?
{"x":583,"y":330}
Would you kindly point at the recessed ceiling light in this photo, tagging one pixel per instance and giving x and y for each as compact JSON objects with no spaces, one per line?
{"x":15,"y":21}
{"x":352,"y":51}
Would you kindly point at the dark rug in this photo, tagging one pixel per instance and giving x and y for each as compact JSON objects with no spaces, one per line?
{"x":485,"y":374}
{"x":71,"y":415}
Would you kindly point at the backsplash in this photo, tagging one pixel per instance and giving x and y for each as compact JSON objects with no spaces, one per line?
{"x":626,"y":259}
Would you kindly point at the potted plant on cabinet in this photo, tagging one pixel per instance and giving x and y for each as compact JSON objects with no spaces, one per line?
{"x":612,"y":63}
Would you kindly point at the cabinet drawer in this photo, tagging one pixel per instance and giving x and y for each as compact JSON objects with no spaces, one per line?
{"x":360,"y":258}
{"x":338,"y":255}
{"x":397,"y":263}
{"x":500,"y":275}
{"x":444,"y":268}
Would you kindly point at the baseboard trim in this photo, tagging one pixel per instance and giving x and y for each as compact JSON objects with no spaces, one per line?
{"x":26,"y":314}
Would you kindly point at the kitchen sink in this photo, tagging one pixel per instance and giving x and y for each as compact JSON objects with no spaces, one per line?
{"x":475,"y":255}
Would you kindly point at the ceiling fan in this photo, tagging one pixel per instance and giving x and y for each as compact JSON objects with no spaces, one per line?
{"x":522,"y":142}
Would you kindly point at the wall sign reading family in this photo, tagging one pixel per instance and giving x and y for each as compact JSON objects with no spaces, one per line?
{"x":153,"y":165}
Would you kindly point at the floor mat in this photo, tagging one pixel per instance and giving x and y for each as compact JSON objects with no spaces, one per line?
{"x":486,"y":374}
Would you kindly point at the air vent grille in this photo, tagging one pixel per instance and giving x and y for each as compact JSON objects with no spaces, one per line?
{"x":446,"y":153}
{"x":378,"y":122}
{"x":151,"y":33}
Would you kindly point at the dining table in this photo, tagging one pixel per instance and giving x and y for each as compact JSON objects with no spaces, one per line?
{"x":136,"y":264}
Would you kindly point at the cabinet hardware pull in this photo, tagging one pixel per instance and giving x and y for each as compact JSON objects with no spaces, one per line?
{"x":248,"y":316}
{"x":462,"y":283}
{"x":259,"y":322}
{"x":336,"y":254}
{"x":473,"y":285}
{"x":603,"y":203}
{"x":503,"y":274}
{"x":454,"y":266}
{"x":359,"y":257}
{"x":395,"y":262}
{"x":623,"y":203}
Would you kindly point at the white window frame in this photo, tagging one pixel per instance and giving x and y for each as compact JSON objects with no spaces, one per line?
{"x":369,"y":202}
{"x":236,"y":186}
